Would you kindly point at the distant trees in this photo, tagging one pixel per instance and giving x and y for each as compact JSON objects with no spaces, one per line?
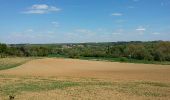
{"x":23,"y":51}
{"x":150,"y":51}
{"x":35,"y":51}
{"x":93,"y":52}
{"x":161,"y":51}
{"x":3,"y":49}
{"x":117,"y":51}
{"x":138,"y":52}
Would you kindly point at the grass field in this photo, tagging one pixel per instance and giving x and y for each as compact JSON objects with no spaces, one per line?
{"x":7,"y":63}
{"x":70,"y":79}
{"x":50,"y":88}
{"x":111,"y":59}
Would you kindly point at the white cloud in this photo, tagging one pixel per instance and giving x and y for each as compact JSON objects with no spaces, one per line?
{"x":141,"y":29}
{"x":42,"y":6}
{"x":118,"y":32}
{"x":29,"y":30}
{"x":84,"y":31}
{"x":117,"y":14}
{"x":41,"y":9}
{"x":56,"y":24}
{"x":156,"y":33}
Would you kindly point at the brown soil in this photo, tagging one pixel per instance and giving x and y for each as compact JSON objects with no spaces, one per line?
{"x":91,"y":69}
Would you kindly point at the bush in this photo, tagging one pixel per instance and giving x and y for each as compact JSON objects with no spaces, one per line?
{"x":73,"y":54}
{"x":123,"y":59}
{"x":2,"y":55}
{"x":159,"y":56}
{"x":167,"y":57}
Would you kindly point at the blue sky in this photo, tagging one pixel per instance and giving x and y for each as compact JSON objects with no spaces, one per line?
{"x":63,"y":21}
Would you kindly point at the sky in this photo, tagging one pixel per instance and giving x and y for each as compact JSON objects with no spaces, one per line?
{"x":79,"y":21}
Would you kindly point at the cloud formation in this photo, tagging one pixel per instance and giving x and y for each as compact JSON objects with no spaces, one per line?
{"x":84,"y":31}
{"x":118,"y":32}
{"x":156,"y":33}
{"x":117,"y":14}
{"x":41,"y":9}
{"x":29,"y":30}
{"x":141,"y":29}
{"x":56,"y":24}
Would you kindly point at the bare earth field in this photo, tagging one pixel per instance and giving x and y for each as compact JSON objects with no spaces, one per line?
{"x":72,"y":79}
{"x":92,"y":69}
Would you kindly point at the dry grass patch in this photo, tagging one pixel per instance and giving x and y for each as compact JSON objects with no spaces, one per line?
{"x":40,"y":88}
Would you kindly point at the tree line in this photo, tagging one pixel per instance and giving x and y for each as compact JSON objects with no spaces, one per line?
{"x":150,"y":51}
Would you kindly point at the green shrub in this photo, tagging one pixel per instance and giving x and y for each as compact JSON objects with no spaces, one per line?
{"x":123,"y":59}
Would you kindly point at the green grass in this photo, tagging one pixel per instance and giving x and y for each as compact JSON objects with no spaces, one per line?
{"x":4,"y":67}
{"x":35,"y":86}
{"x":125,"y":60}
{"x":9,"y":86}
{"x":11,"y":62}
{"x":157,"y":84}
{"x":57,"y":55}
{"x":122,"y":59}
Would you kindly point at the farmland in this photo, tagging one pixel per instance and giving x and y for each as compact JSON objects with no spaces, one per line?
{"x":72,"y":79}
